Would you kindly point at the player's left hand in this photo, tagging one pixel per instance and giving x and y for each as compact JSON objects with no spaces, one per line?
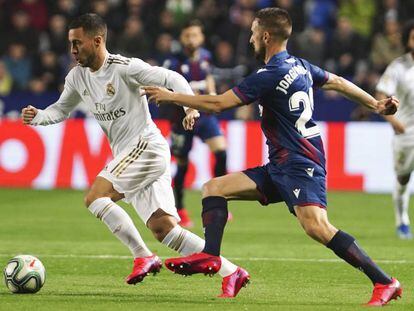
{"x":387,"y":106}
{"x":191,"y":117}
{"x":158,"y":95}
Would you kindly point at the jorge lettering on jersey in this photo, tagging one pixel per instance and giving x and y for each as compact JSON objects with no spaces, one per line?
{"x":284,"y":90}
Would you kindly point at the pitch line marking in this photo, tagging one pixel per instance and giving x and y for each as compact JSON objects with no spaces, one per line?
{"x":287,"y":259}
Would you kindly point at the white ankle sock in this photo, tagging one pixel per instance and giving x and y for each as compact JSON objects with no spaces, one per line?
{"x":186,"y":243}
{"x":401,"y":198}
{"x":120,"y":224}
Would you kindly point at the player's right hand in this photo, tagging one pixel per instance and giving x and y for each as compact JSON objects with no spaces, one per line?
{"x":190,"y":119}
{"x":28,"y":114}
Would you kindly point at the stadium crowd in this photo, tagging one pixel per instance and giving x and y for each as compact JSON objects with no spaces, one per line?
{"x":353,"y":38}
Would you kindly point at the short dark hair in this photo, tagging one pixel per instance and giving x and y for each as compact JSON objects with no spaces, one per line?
{"x":276,"y":21}
{"x":408,"y":27}
{"x":193,"y":23}
{"x":91,"y":23}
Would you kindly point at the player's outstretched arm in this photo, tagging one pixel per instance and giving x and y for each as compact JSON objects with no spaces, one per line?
{"x":28,"y":114}
{"x":385,"y":106}
{"x":207,"y":103}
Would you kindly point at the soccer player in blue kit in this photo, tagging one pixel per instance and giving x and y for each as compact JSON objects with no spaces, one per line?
{"x":296,"y":171}
{"x":194,"y":63}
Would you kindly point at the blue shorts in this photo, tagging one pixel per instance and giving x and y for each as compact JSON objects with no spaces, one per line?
{"x":207,"y":126}
{"x":297,"y":183}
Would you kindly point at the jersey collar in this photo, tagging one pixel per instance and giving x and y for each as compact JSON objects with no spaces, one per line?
{"x":278,"y":57}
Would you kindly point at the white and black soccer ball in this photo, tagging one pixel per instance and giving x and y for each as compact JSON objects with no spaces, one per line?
{"x":24,"y":274}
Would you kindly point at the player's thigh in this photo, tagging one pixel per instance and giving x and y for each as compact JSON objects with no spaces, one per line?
{"x":403,"y":150}
{"x":156,"y":201}
{"x":216,"y":143}
{"x":138,"y":166}
{"x":100,"y":188}
{"x":234,"y":186}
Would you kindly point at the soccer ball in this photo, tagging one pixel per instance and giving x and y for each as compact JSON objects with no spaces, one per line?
{"x":24,"y":274}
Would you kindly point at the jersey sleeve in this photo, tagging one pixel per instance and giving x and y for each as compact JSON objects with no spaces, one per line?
{"x":141,"y":73}
{"x":319,"y":76}
{"x":60,"y":110}
{"x":389,"y":80}
{"x":250,"y":89}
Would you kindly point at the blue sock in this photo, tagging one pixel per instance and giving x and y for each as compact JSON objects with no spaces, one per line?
{"x":214,"y":217}
{"x":345,"y":247}
{"x":179,"y":185}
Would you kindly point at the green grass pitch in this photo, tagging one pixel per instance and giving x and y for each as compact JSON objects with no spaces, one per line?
{"x":86,"y":265}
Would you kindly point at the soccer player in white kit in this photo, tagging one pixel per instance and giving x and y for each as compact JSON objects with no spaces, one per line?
{"x":139,"y":173}
{"x":398,"y":80}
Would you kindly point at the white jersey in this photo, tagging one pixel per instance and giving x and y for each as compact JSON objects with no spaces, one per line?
{"x":398,"y":80}
{"x":112,"y":96}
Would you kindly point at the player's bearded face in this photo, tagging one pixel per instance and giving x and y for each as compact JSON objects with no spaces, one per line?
{"x":257,"y":41}
{"x":82,"y":47}
{"x":192,"y":38}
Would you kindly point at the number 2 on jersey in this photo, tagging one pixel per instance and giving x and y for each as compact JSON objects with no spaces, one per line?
{"x":306,"y":100}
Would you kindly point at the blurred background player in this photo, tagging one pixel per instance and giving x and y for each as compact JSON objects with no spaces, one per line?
{"x":194,"y":64}
{"x":398,"y":80}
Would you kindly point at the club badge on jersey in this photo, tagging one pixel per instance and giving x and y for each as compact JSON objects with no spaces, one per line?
{"x":110,"y":90}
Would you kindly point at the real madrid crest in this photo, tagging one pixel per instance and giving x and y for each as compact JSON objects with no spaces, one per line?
{"x":110,"y":90}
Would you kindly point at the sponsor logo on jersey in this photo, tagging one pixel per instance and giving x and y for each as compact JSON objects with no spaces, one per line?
{"x":109,"y":116}
{"x":110,"y":90}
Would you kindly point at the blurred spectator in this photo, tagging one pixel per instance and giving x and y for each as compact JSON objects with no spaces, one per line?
{"x":37,"y":86}
{"x":211,"y":13}
{"x":133,"y":42}
{"x":166,"y":24}
{"x":346,"y":50}
{"x":22,"y":32}
{"x":113,"y":18}
{"x":181,"y":10}
{"x":6,"y":81}
{"x":243,"y":50}
{"x":386,"y":46}
{"x":296,"y":12}
{"x":310,"y":44}
{"x":163,"y":49}
{"x":47,"y":70}
{"x":56,"y":38}
{"x":67,"y":8}
{"x":19,"y":65}
{"x":322,"y":15}
{"x":386,"y":9}
{"x":226,"y":71}
{"x":37,"y":11}
{"x":360,"y":14}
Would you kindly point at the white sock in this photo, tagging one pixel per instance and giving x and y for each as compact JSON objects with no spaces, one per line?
{"x":186,"y":243}
{"x":401,"y":198}
{"x":120,"y":224}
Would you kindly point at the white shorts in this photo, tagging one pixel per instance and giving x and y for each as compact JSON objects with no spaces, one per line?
{"x":403,"y":154}
{"x":142,"y":173}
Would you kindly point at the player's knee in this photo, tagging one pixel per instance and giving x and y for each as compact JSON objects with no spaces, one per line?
{"x":319,"y":230}
{"x":161,"y":224}
{"x":211,"y":188}
{"x":90,"y":197}
{"x":403,"y":179}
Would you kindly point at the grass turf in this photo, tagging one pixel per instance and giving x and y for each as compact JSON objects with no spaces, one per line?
{"x":288,"y":270}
